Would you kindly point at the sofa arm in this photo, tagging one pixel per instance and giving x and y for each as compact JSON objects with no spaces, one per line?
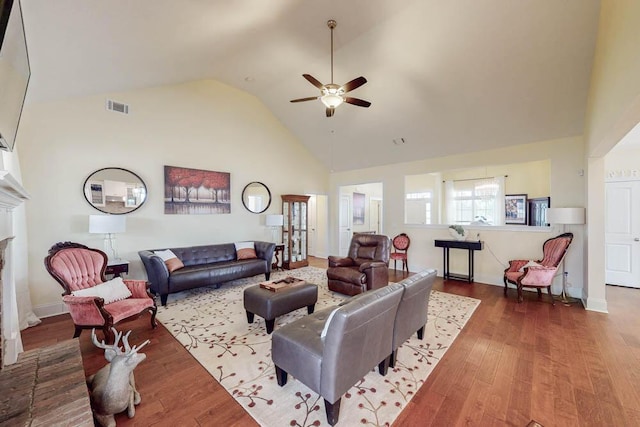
{"x":156,"y":272}
{"x":336,"y":261}
{"x":265,"y":250}
{"x":85,"y":310}
{"x":377,"y":273}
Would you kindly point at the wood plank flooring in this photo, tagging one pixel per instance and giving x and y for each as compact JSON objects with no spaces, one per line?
{"x":512,"y":363}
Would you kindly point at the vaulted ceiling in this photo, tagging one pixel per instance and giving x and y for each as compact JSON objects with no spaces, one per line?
{"x":445,"y":76}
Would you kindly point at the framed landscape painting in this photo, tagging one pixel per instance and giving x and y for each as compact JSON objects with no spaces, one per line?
{"x":195,"y":191}
{"x":515,"y":209}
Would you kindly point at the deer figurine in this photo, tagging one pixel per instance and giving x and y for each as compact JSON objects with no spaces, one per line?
{"x":113,"y":388}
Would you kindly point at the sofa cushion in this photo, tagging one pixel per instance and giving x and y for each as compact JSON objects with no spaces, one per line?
{"x":111,"y":291}
{"x":245,"y":250}
{"x":170,"y":259}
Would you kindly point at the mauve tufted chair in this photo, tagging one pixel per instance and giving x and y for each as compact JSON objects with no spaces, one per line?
{"x":538,"y":276}
{"x":76,"y":267}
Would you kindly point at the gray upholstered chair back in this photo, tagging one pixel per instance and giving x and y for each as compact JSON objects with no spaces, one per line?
{"x":369,"y":247}
{"x":359,"y":337}
{"x":412,"y":310}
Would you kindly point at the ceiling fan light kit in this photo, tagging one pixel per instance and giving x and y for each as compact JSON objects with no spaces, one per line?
{"x":331,"y":94}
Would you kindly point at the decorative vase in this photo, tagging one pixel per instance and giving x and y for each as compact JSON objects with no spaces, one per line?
{"x":456,"y":235}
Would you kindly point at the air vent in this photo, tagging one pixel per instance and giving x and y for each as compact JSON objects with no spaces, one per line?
{"x":118,"y":107}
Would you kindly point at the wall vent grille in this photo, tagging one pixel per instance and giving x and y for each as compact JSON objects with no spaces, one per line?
{"x":118,"y":107}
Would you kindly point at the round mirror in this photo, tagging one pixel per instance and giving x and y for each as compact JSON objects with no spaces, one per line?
{"x":115,"y":190}
{"x":256,"y":197}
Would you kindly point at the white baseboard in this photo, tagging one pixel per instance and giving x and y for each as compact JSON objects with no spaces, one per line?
{"x":48,"y":310}
{"x":595,"y":304}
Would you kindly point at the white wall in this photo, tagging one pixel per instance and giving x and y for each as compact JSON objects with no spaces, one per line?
{"x":202,"y":125}
{"x":613,"y":110}
{"x":501,"y":243}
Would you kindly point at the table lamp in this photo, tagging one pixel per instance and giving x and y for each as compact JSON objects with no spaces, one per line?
{"x":274,"y":221}
{"x":565,"y":216}
{"x":108,"y":225}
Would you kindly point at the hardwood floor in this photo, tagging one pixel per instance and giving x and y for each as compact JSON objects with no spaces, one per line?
{"x":561,"y":366}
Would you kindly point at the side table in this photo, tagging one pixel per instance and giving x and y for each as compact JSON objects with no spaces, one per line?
{"x":276,"y":265}
{"x":117,"y":267}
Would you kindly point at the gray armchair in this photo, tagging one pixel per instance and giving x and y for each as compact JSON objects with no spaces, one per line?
{"x":331,"y":350}
{"x":412,"y":311}
{"x":366,"y":267}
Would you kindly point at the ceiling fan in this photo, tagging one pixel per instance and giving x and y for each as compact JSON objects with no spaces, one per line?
{"x":332,"y":95}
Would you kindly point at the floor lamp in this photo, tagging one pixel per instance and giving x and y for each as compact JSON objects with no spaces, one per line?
{"x":564,"y":217}
{"x":108,"y":225}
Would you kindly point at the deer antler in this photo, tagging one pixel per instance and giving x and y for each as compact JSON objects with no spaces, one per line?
{"x":131,"y":350}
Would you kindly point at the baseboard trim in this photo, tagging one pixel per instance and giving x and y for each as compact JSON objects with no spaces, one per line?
{"x":48,"y":310}
{"x":595,"y":304}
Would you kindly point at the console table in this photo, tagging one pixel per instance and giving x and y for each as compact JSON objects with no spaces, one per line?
{"x":457,"y":244}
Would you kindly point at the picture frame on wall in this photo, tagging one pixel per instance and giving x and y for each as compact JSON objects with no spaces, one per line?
{"x":515,"y":209}
{"x":538,"y":211}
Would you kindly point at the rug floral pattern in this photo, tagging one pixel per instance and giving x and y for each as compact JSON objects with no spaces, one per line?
{"x":212,"y":325}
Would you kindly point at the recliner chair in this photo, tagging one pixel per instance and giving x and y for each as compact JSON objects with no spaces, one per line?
{"x":366,"y":267}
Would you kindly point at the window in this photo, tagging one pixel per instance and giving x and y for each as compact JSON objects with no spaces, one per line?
{"x":418,"y":207}
{"x":475,"y":201}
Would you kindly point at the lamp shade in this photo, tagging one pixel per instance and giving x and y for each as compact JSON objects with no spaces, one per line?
{"x":274,"y":220}
{"x":107,"y":224}
{"x":565,"y":215}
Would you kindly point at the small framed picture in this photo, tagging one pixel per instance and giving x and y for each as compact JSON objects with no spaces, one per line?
{"x":515,"y":209}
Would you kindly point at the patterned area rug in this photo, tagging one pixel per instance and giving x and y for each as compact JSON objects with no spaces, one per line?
{"x":212,"y":325}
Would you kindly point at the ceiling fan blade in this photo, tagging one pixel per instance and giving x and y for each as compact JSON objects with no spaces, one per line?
{"x":330,"y":112}
{"x":357,"y":101}
{"x":354,"y":84}
{"x":313,"y":81}
{"x":311,"y":98}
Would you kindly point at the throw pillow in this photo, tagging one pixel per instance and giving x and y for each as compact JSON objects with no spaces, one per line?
{"x":111,"y":291}
{"x":170,"y":259}
{"x":529,"y":264}
{"x":245,"y":250}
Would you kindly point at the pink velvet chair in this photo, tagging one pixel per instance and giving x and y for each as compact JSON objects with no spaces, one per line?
{"x":400,"y":248}
{"x":524,"y":275}
{"x":77,"y":267}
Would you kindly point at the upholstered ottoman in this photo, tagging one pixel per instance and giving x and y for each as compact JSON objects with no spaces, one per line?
{"x":269,"y":305}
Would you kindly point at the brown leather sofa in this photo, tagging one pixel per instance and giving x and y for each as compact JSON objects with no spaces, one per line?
{"x":366,"y":267}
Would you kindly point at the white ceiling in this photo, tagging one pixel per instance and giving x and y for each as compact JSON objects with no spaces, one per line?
{"x":447,"y":76}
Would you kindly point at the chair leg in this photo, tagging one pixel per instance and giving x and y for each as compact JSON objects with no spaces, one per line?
{"x":539,"y":292}
{"x":154,"y":311}
{"x":553,"y":301}
{"x":395,"y":266}
{"x":520,"y":299}
{"x":333,"y":411}
{"x":383,"y":367}
{"x":392,"y":358}
{"x":281,"y":376}
{"x":421,"y":333}
{"x":406,"y":264}
{"x":77,"y":332}
{"x":505,"y":285}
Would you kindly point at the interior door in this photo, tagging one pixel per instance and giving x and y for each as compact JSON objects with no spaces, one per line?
{"x":375,"y":208}
{"x":622,"y":233}
{"x":344,"y":224}
{"x":311,"y":225}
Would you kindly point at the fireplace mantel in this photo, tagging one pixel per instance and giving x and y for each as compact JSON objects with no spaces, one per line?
{"x":12,"y":194}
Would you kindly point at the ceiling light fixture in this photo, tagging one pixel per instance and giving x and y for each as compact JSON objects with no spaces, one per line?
{"x":331,"y":94}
